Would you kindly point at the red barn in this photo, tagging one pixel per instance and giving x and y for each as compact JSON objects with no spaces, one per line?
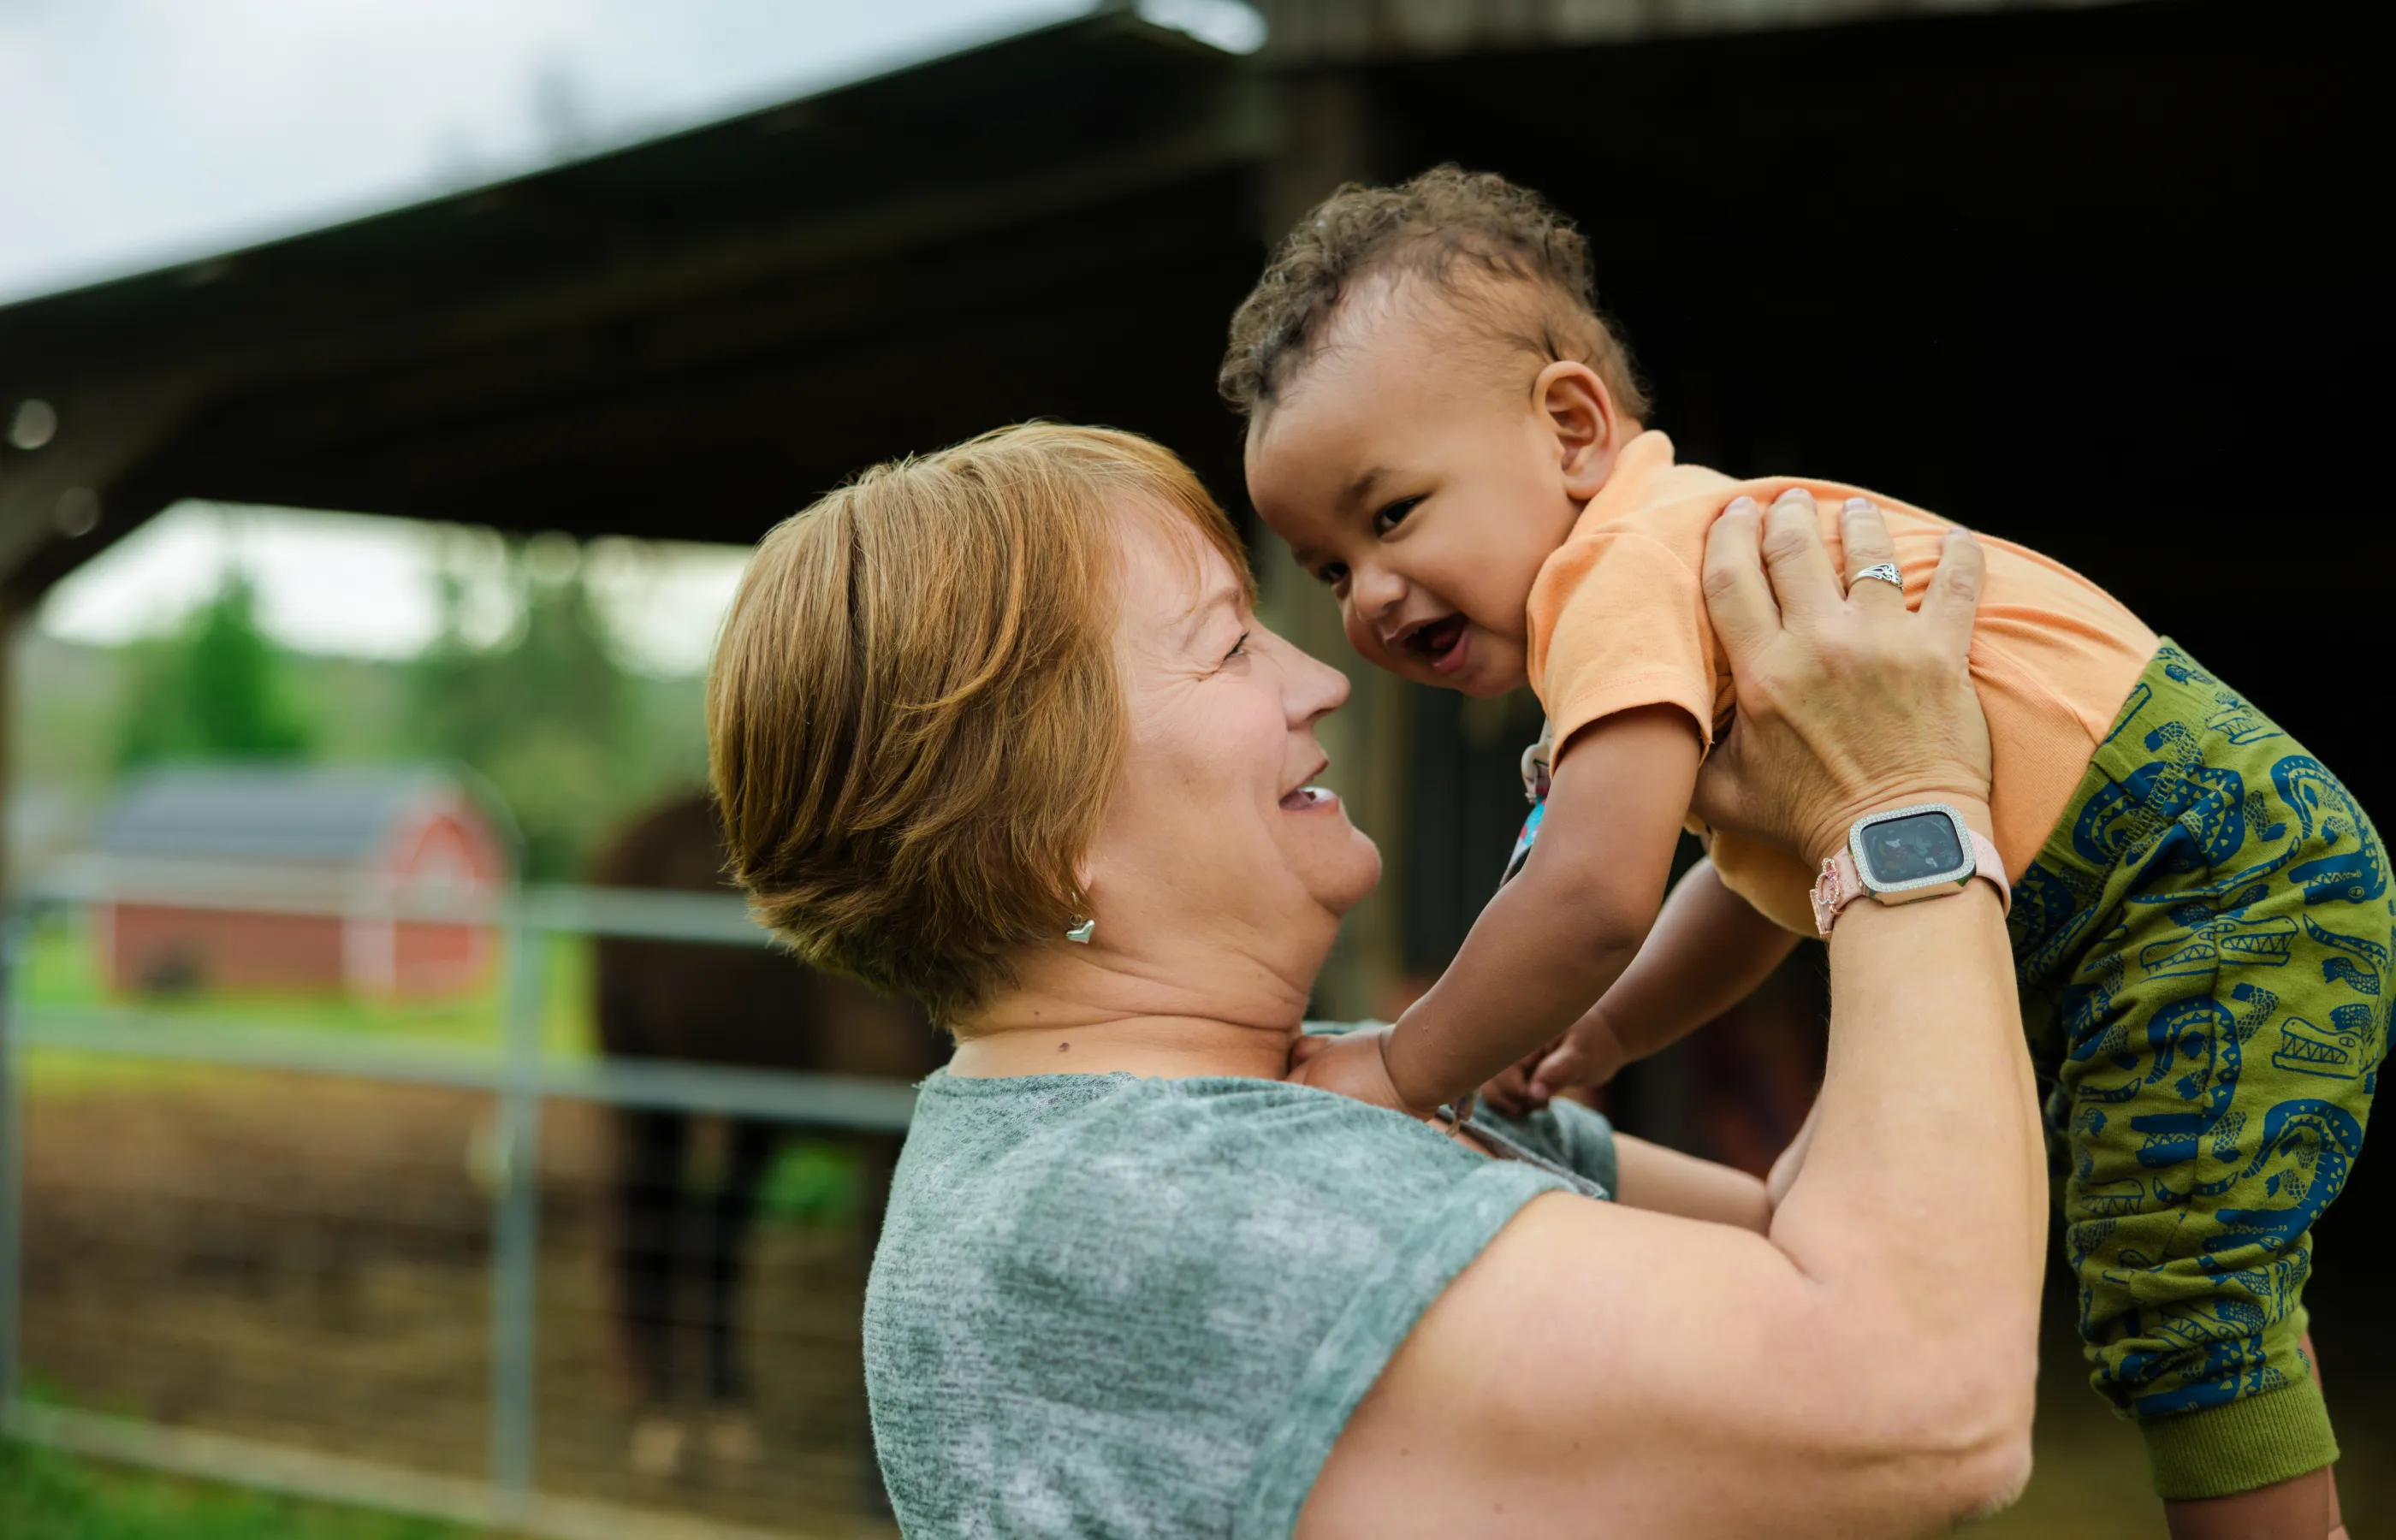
{"x":271,"y":878}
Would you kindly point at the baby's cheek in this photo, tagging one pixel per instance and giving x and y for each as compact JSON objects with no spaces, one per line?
{"x":1504,"y":665}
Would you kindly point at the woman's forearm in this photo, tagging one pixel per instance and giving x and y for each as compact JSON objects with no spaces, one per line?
{"x":1666,"y":1181}
{"x":1920,"y":1199}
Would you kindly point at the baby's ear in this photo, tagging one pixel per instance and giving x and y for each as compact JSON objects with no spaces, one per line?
{"x":1579,"y":409}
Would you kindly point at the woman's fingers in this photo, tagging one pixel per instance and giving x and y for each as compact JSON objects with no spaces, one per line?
{"x":1800,"y":564}
{"x":1869,"y":546}
{"x":1738,"y":597}
{"x":1953,"y":597}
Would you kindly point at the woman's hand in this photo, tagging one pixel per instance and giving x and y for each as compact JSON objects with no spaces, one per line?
{"x":1848,"y":703}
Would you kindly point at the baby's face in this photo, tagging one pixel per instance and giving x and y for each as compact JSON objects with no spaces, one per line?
{"x":1421,"y":490}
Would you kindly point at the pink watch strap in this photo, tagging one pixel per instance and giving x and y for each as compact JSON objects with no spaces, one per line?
{"x":1841,"y":884}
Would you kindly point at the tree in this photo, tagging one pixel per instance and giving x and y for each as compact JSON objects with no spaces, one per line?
{"x":539,"y":714}
{"x":217,"y":689}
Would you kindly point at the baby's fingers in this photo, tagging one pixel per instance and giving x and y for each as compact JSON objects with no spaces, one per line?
{"x":1509,"y":1090}
{"x":1566,"y":1065}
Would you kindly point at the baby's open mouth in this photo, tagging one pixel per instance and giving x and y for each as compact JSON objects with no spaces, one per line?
{"x":1433,"y":642}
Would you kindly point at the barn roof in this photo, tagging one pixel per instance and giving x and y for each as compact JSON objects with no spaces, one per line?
{"x":300,"y":815}
{"x":693,"y":336}
{"x":689,"y":336}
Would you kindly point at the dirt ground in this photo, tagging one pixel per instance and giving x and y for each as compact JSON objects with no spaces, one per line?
{"x":306,"y":1261}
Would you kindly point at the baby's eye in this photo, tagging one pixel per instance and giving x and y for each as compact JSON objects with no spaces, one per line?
{"x":1332,"y":574}
{"x":1394,"y":514}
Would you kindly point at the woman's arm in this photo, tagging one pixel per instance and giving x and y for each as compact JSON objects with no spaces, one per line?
{"x":1666,"y":1181}
{"x":1865,"y":1369}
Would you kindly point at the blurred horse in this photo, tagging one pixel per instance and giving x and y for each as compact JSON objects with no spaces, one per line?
{"x":752,"y":1008}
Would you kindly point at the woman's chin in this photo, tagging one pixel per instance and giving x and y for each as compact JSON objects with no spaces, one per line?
{"x":1340,"y":879}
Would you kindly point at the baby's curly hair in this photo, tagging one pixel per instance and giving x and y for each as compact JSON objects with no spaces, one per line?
{"x":1447,"y":226}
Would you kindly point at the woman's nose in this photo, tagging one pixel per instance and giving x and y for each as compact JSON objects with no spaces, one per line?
{"x":1310,"y":688}
{"x":1316,"y":689}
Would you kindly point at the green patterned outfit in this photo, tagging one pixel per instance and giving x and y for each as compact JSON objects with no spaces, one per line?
{"x":2202,"y":948}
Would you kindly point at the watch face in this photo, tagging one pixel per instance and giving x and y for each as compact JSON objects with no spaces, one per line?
{"x":1910,"y":849}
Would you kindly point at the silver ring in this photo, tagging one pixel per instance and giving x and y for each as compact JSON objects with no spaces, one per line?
{"x":1887,"y":572}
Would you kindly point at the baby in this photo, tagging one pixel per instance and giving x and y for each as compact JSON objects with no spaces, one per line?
{"x":1448,"y":436}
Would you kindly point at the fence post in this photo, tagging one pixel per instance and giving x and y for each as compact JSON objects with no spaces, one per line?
{"x":516,"y":1240}
{"x":13,"y":1167}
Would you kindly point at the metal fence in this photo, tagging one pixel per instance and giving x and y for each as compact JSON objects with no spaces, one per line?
{"x":515,"y":1072}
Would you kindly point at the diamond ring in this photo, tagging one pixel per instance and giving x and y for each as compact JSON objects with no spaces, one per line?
{"x":1887,"y":572}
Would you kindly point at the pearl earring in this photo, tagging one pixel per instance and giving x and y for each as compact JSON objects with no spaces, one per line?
{"x":1081,"y":930}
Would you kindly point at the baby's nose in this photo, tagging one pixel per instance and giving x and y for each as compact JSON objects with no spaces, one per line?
{"x":1376,"y":590}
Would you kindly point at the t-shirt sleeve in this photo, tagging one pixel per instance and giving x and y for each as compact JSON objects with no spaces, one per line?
{"x":1626,"y":626}
{"x":1576,"y":1137}
{"x":1379,"y":1313}
{"x":1102,"y":1305}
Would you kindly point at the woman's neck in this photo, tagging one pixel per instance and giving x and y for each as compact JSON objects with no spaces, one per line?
{"x":1096,"y":1013}
{"x":1156,"y":1047}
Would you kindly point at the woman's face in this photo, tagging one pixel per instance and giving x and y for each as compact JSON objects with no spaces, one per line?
{"x":1216,"y":832}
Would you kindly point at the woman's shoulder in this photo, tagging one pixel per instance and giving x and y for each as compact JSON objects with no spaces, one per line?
{"x":1185,"y":1282}
{"x":1108,"y":1135}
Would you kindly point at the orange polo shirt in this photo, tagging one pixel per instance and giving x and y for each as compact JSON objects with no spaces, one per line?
{"x":1617,"y":620}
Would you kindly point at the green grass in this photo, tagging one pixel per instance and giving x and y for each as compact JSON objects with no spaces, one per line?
{"x":46,"y":1495}
{"x":56,"y":966}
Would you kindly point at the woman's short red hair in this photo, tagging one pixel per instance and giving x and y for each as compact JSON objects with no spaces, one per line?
{"x":915,"y":711}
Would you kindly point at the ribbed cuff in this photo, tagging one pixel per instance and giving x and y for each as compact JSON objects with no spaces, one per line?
{"x":2225,"y":1449}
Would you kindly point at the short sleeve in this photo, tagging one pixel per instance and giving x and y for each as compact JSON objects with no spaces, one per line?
{"x":1576,"y":1137}
{"x":1618,"y":621}
{"x":1104,"y":1305}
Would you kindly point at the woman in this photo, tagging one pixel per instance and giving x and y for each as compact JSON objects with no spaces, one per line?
{"x":998,"y":729}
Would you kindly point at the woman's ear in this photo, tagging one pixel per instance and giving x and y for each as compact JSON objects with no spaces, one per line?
{"x":1578,"y":408}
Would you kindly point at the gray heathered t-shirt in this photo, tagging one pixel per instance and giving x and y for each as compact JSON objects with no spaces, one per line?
{"x":1106,"y":1305}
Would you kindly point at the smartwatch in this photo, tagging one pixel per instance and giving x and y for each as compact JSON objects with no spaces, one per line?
{"x":1926,"y":851}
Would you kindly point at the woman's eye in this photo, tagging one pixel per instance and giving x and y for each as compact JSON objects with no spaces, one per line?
{"x":1239,"y":648}
{"x":1394,"y":514}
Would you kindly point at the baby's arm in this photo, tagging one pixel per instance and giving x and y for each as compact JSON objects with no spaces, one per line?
{"x":1710,"y":951}
{"x":1556,"y":937}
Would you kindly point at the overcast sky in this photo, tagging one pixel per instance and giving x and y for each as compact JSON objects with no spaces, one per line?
{"x":139,"y":132}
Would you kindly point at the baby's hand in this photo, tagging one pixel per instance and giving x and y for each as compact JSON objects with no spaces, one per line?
{"x":1351,"y":1065}
{"x":1509,"y":1090}
{"x":1589,"y":1054}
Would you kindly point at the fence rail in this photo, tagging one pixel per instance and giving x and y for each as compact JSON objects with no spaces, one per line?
{"x":515,"y":1071}
{"x":860,"y":1102}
